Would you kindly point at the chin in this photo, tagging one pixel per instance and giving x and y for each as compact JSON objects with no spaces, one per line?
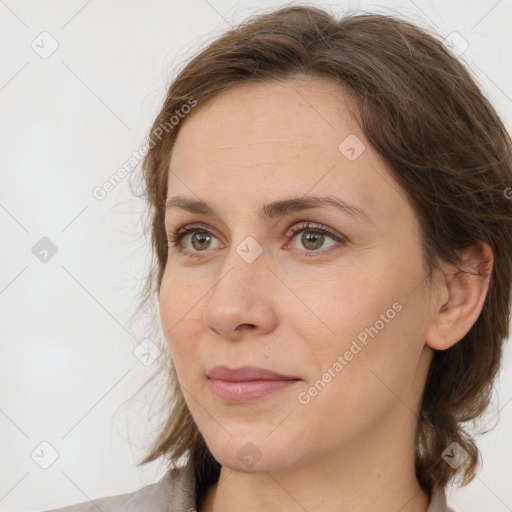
{"x":250,"y":453}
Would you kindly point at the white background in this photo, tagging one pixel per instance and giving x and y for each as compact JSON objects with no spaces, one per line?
{"x":67,"y":123}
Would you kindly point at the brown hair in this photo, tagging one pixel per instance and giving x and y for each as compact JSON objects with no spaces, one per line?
{"x":446,"y":147}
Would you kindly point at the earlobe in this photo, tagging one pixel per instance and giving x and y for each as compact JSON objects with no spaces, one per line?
{"x":463,"y":298}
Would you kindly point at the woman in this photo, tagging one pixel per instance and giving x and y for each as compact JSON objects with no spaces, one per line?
{"x":333,"y":240}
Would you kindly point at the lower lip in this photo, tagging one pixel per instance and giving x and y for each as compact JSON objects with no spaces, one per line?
{"x":246,"y":391}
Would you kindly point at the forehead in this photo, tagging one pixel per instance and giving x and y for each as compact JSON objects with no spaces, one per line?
{"x":264,"y":141}
{"x":265,"y":115}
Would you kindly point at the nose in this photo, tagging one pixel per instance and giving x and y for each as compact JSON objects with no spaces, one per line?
{"x":242,"y":300}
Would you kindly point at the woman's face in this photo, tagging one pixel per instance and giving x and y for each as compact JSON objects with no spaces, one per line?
{"x":342,"y":314}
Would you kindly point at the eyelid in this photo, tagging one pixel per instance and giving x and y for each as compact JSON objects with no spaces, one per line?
{"x":303,"y":225}
{"x":198,"y":226}
{"x":296,"y":226}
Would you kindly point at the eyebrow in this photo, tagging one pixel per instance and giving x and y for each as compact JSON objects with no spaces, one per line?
{"x":276,"y":208}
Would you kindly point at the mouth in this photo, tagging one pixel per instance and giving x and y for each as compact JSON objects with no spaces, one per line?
{"x":247,"y":383}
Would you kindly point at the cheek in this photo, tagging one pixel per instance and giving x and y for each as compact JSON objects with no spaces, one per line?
{"x":352,"y":301}
{"x":181,"y":318}
{"x":355,"y":383}
{"x":179,"y":297}
{"x":373,"y":325}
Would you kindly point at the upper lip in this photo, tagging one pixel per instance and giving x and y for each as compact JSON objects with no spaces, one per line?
{"x":245,"y":373}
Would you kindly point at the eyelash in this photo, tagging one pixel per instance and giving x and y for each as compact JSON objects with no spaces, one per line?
{"x":176,"y":236}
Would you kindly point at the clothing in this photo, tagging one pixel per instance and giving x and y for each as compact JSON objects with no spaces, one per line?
{"x":175,"y":492}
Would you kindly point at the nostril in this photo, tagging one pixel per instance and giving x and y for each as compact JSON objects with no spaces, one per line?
{"x":245,"y":327}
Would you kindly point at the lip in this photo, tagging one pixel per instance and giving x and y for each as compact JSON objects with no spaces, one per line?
{"x":247,"y":383}
{"x":245,"y":373}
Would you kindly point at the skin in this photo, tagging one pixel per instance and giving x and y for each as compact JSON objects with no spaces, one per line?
{"x":351,"y":447}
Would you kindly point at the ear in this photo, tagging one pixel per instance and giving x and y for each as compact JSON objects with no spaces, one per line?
{"x":461,"y":297}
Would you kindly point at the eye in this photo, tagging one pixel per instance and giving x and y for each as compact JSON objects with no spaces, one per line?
{"x":312,"y":239}
{"x":200,"y":238}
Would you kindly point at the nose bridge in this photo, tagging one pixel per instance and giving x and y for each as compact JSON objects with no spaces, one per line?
{"x":241,"y":294}
{"x":245,"y":263}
